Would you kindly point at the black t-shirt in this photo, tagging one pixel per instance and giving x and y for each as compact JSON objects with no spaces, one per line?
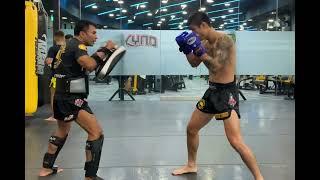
{"x":52,"y":52}
{"x":66,"y":64}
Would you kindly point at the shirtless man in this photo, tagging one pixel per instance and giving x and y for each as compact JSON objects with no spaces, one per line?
{"x":221,"y":100}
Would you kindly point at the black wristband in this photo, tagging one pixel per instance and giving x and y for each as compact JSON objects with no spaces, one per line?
{"x":105,"y":50}
{"x":97,"y":59}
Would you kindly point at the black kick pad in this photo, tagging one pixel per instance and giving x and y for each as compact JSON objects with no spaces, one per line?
{"x":106,"y":67}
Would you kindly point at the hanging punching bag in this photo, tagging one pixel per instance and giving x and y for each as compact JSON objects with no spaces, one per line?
{"x":42,"y":69}
{"x":31,"y":79}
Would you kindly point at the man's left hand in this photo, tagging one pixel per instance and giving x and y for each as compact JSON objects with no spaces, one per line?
{"x":195,"y":44}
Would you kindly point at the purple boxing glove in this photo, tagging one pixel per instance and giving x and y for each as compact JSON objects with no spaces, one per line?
{"x":195,"y":44}
{"x":199,"y":51}
{"x":182,"y":42}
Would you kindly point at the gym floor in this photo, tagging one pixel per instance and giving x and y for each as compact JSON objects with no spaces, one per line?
{"x":146,"y":139}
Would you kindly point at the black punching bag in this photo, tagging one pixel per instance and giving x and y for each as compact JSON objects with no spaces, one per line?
{"x":43,"y":70}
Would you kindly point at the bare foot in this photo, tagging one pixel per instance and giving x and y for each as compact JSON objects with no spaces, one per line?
{"x":51,"y":118}
{"x":47,"y":172}
{"x":185,"y":170}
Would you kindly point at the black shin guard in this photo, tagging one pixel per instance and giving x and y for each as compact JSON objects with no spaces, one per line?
{"x":95,"y":147}
{"x":49,"y":159}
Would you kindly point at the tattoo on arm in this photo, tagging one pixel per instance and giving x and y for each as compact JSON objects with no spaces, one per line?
{"x":221,"y":55}
{"x":224,"y":46}
{"x":209,"y":62}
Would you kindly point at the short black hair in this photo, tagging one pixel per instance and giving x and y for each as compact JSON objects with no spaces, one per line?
{"x":82,"y":25}
{"x":59,"y":34}
{"x":197,"y":18}
{"x":68,"y":36}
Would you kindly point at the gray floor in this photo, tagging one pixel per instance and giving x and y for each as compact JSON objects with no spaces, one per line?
{"x":145,"y":139}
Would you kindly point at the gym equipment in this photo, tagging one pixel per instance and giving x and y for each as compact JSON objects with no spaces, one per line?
{"x":262,"y":82}
{"x":174,"y":82}
{"x":135,"y":85}
{"x":285,"y":86}
{"x":121,"y":90}
{"x":43,"y":71}
{"x":42,"y":38}
{"x":289,"y":85}
{"x":158,"y":82}
{"x":106,"y":67}
{"x":246,"y":83}
{"x":139,"y":85}
{"x":150,"y":80}
{"x":31,"y":79}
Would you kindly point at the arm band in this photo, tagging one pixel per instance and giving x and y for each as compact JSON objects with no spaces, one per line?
{"x":98,"y":60}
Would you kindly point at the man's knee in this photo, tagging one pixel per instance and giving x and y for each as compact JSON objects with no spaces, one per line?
{"x":237,"y":143}
{"x":90,"y":124}
{"x":95,"y":133}
{"x":63,"y":132}
{"x":63,"y":129}
{"x":191,"y":130}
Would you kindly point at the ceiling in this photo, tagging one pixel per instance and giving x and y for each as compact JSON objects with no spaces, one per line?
{"x":165,"y":14}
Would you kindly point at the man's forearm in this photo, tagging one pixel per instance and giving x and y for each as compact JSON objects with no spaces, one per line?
{"x":206,"y":57}
{"x":97,"y":58}
{"x":193,"y":60}
{"x":209,"y":61}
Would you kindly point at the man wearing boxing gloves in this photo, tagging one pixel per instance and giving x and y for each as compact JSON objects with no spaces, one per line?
{"x":221,"y":100}
{"x":72,"y":88}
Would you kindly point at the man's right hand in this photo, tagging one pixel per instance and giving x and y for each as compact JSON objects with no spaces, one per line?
{"x":105,"y":51}
{"x":111,"y":45}
{"x":182,"y":42}
{"x":195,"y":44}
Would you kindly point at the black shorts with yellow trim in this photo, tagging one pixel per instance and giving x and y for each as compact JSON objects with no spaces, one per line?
{"x":53,"y":82}
{"x":220,"y":99}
